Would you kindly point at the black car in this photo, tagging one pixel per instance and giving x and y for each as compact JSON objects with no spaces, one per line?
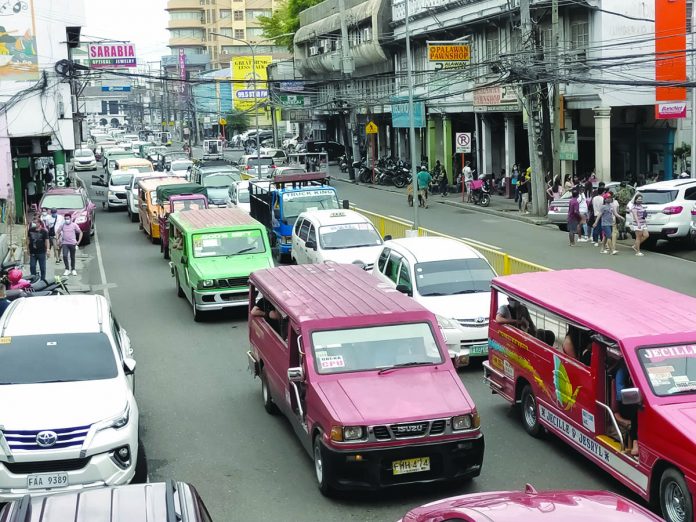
{"x":334,"y":149}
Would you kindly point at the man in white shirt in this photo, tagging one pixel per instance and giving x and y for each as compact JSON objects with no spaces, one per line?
{"x":468,"y":178}
{"x":597,"y":202}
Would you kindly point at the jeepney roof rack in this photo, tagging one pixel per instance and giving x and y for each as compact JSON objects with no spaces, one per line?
{"x":23,"y":513}
{"x":304,"y":178}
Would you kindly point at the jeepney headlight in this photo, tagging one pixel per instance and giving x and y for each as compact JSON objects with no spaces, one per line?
{"x":465,"y":422}
{"x":444,"y":322}
{"x":286,"y":240}
{"x":347,"y":433}
{"x":207,"y":283}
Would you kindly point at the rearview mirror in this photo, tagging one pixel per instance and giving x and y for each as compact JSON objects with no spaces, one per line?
{"x":631,"y":396}
{"x":311,"y":244}
{"x":296,"y":374}
{"x":388,"y":237}
{"x":129,"y":365}
{"x":404,"y":290}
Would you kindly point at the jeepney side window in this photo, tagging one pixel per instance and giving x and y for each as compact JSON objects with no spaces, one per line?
{"x":177,"y":238}
{"x":304,"y":230}
{"x":382,"y":262}
{"x":392,"y":269}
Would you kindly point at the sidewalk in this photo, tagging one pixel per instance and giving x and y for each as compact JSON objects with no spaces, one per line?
{"x":500,"y":205}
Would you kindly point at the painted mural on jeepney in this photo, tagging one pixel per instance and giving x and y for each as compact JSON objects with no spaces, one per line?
{"x":500,"y":353}
{"x":18,"y":53}
{"x":565,"y":394}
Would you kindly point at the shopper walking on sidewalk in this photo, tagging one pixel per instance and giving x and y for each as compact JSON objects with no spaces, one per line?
{"x":573,"y":216}
{"x":597,"y":202}
{"x":39,"y":248}
{"x":69,"y":236}
{"x":606,"y":217}
{"x":639,"y":214}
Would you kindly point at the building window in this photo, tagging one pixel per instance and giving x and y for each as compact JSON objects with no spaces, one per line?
{"x":492,"y":45}
{"x":113,"y":107}
{"x":579,"y":35}
{"x":254,"y":14}
{"x":187,"y":33}
{"x":546,"y":37}
{"x":254,"y":32}
{"x":227,"y":31}
{"x":225,"y":13}
{"x":185,"y":15}
{"x":238,"y":16}
{"x":239,"y":33}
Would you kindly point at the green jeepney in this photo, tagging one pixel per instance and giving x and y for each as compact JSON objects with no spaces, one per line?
{"x":213,"y":252}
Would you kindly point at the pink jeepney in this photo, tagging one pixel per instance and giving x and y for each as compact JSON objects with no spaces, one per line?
{"x":608,"y":364}
{"x":175,"y":198}
{"x":363,"y":374}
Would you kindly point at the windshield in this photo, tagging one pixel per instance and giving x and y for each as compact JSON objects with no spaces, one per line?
{"x":189,"y":204}
{"x":219,"y":244}
{"x":83,"y":154}
{"x":218,"y":180}
{"x":30,"y":359}
{"x":294,"y":203}
{"x":72,"y":201}
{"x":180,"y":166}
{"x":374,"y":348}
{"x":671,"y":370}
{"x":350,"y":235}
{"x":259,"y":161}
{"x":120,"y":179}
{"x":453,"y":276}
{"x":658,"y":197}
{"x":174,"y":157}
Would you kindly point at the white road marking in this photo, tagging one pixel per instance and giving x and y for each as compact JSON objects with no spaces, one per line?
{"x":100,"y":262}
{"x":482,"y":243}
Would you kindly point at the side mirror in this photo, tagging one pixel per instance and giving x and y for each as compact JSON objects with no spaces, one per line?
{"x":184,"y":260}
{"x":404,"y":290}
{"x":388,"y":237}
{"x":311,"y":244}
{"x":631,"y":396}
{"x":296,"y":374}
{"x":129,"y":365}
{"x":346,"y":204}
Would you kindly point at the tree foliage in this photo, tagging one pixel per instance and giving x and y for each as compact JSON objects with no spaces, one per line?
{"x":285,"y":19}
{"x":237,"y":121}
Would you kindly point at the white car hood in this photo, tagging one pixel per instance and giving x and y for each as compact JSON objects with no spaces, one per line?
{"x":367,"y":255}
{"x":464,"y":306}
{"x":61,"y":405}
{"x":246,"y":207}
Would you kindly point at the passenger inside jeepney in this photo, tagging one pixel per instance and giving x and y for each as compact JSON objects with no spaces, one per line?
{"x":515,"y":314}
{"x":626,"y":414}
{"x":578,"y":344}
{"x":264,"y":308}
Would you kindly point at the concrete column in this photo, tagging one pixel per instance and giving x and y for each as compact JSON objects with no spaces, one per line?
{"x":509,"y":143}
{"x":447,"y":144}
{"x":602,"y":116}
{"x":669,"y":154}
{"x":567,"y":166}
{"x":486,"y":148}
{"x":432,"y":147}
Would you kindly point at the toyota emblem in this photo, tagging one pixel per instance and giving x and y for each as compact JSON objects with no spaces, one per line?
{"x":46,"y":439}
{"x":480,"y":320}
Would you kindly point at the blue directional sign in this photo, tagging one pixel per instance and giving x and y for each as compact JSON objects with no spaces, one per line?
{"x":116,"y":88}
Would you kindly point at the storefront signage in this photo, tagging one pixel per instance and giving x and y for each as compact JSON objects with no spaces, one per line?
{"x":400,"y":113}
{"x":292,"y":100}
{"x":295,"y":115}
{"x":112,"y":55}
{"x":568,"y":145}
{"x":499,"y":98}
{"x":670,"y":111}
{"x":446,"y":56}
{"x":292,"y":86}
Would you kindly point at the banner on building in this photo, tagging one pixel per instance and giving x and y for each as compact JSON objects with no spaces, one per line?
{"x":19,"y":58}
{"x":182,"y":71}
{"x":112,"y":55}
{"x":568,"y":145}
{"x":499,"y":98}
{"x":244,"y":76}
{"x":400,"y":114}
{"x":670,"y":58}
{"x":447,"y":56}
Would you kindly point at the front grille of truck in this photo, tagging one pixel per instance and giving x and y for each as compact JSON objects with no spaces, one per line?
{"x":408,"y":430}
{"x":47,"y":466}
{"x":232,"y":282}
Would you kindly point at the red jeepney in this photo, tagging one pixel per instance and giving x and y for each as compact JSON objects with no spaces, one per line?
{"x":173,"y":198}
{"x":601,"y":360}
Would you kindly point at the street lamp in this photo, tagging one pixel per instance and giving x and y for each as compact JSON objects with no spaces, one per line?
{"x":252,"y":48}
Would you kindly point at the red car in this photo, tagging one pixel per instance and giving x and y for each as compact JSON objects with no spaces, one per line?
{"x":547,"y":506}
{"x":76,"y":202}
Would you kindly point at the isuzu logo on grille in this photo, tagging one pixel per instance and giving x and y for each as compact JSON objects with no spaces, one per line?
{"x":46,"y":439}
{"x":410,"y":428}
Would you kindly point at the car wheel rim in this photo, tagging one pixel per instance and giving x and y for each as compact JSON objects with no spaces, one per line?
{"x":264,"y":391}
{"x":675,"y":503}
{"x":530,"y":411}
{"x":318,"y":467}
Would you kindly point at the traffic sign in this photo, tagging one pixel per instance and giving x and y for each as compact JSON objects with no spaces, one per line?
{"x":371,"y":128}
{"x":463,"y":142}
{"x":222,"y":121}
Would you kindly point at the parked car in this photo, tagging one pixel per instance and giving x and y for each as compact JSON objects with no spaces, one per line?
{"x":544,"y":506}
{"x":669,"y":205}
{"x":339,"y":236}
{"x":334,"y":149}
{"x":84,"y":159}
{"x":558,"y":209}
{"x":450,"y":279}
{"x":72,"y":372}
{"x":73,"y":201}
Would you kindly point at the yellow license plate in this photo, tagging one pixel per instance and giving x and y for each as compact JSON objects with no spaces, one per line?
{"x":401,"y":467}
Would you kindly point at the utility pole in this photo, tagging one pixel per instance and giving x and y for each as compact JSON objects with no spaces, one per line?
{"x":531,"y":98}
{"x":347,"y":70}
{"x":411,"y":123}
{"x":556,"y":170}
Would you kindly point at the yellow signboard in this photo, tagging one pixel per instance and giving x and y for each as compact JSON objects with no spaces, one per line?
{"x":371,"y":128}
{"x":245,"y":98}
{"x":222,"y":121}
{"x":448,"y":55}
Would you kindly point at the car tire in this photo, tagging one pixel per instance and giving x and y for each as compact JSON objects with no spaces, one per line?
{"x":165,"y":252}
{"x":133,"y":217}
{"x":140,"y":476}
{"x":676,"y":504}
{"x":530,"y":412}
{"x":179,"y":291}
{"x":322,"y":470}
{"x":197,"y":315}
{"x":563,"y":227}
{"x":86,"y":240}
{"x":268,"y":403}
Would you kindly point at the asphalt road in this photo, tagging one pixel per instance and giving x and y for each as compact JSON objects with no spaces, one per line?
{"x":201,"y":412}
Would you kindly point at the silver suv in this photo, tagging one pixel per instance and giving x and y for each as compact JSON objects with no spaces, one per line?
{"x":669,"y":205}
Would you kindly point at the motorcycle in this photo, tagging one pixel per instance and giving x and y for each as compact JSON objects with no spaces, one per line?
{"x":480,"y":193}
{"x":34,"y":287}
{"x":364,"y":174}
{"x":343,"y":161}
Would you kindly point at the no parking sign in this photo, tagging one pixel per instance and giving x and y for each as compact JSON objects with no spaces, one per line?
{"x":463,"y":142}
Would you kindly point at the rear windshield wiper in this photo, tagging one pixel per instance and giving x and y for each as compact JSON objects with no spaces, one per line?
{"x":404,"y":365}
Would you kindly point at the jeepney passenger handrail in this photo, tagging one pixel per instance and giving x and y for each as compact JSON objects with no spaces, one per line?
{"x":613,"y":420}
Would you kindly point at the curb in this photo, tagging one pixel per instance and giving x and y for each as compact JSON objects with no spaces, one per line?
{"x":514,"y":215}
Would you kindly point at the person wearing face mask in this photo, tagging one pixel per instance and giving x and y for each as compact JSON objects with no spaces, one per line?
{"x":52,"y":222}
{"x":515,"y":314}
{"x":38,"y":247}
{"x":69,"y":236}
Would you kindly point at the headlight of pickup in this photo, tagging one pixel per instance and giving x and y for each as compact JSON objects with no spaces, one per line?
{"x":347,"y":433}
{"x":465,"y":422}
{"x":206,"y":283}
{"x":119,"y":421}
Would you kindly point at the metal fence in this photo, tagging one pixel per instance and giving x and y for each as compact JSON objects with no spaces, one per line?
{"x":502,"y":263}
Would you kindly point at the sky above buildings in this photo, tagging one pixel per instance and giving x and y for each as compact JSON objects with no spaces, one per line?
{"x":142,"y":22}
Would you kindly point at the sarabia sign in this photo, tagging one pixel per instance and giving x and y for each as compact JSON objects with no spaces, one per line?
{"x":112,"y":55}
{"x":670,"y":110}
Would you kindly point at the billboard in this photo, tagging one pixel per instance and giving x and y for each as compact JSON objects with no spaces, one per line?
{"x":18,"y":54}
{"x":446,"y":56}
{"x":670,"y":62}
{"x":111,"y":55}
{"x":243,"y":75}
